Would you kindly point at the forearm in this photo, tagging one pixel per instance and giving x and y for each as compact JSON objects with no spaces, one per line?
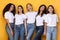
{"x":25,"y":24}
{"x":9,"y":25}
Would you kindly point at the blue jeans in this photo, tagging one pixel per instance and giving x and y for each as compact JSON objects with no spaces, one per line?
{"x":10,"y":37}
{"x":39,"y":32}
{"x":30,"y":30}
{"x":51,"y":33}
{"x":19,"y":31}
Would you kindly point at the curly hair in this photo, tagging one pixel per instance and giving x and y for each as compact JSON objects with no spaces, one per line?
{"x":7,"y":7}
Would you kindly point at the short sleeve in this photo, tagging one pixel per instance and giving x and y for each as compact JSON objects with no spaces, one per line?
{"x":25,"y":17}
{"x":6,"y":15}
{"x":45,"y":19}
{"x":15,"y":15}
{"x":56,"y":18}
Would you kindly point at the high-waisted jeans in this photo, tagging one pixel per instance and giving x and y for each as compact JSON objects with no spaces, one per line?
{"x":30,"y":29}
{"x":51,"y":33}
{"x":39,"y":32}
{"x":10,"y":37}
{"x":19,"y":31}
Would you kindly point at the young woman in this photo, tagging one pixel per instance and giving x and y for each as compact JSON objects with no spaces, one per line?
{"x":40,"y":22}
{"x":8,"y":14}
{"x":20,"y":22}
{"x":30,"y":20}
{"x":51,"y":20}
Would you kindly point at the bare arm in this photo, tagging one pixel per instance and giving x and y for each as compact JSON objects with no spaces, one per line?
{"x":25,"y":24}
{"x":14,"y":25}
{"x":45,"y":27}
{"x":7,"y":21}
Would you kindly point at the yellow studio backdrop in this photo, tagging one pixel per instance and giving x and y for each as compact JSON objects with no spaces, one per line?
{"x":36,"y":4}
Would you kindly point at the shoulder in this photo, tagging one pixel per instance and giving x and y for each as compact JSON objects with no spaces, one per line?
{"x":48,"y":14}
{"x":16,"y":15}
{"x":6,"y":12}
{"x":23,"y":14}
{"x":37,"y":16}
{"x":55,"y":14}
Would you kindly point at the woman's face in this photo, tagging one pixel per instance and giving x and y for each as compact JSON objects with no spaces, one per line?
{"x":20,"y":9}
{"x":29,"y":7}
{"x":42,"y":8}
{"x":11,"y":8}
{"x":50,"y":9}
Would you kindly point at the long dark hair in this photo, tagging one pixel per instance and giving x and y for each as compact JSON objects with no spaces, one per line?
{"x":44,"y":11}
{"x":52,"y":7}
{"x":7,"y":7}
{"x":22,"y":9}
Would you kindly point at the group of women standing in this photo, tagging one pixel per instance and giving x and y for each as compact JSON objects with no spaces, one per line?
{"x":20,"y":23}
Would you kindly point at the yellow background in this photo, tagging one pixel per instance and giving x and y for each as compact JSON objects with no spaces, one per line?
{"x":36,"y":4}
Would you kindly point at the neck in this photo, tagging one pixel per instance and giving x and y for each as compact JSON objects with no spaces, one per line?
{"x":39,"y":14}
{"x":9,"y":10}
{"x":30,"y":10}
{"x":51,"y":13}
{"x":20,"y":13}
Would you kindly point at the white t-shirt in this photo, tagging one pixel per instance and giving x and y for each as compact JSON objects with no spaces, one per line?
{"x":51,"y":20}
{"x":9,"y":16}
{"x":44,"y":16}
{"x":31,"y":17}
{"x":39,"y":20}
{"x":19,"y":19}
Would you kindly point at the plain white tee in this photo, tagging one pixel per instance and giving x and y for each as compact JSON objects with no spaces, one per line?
{"x":19,"y":19}
{"x":39,"y":20}
{"x":51,"y":20}
{"x":31,"y":17}
{"x":9,"y":16}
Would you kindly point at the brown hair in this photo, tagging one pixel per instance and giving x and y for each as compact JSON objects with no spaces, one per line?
{"x":22,"y":8}
{"x":52,"y":7}
{"x":29,"y":4}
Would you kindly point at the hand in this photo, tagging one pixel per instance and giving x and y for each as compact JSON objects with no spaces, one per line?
{"x":44,"y":33}
{"x":26,"y":33}
{"x":12,"y":33}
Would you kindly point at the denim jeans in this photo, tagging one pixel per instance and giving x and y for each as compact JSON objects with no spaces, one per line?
{"x":19,"y":31}
{"x":10,"y":37}
{"x":30,"y":30}
{"x":39,"y":32}
{"x":51,"y":33}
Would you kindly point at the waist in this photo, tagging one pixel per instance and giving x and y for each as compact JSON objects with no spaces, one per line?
{"x":30,"y":21}
{"x":11,"y":24}
{"x":18,"y":23}
{"x":52,"y":26}
{"x":40,"y":26}
{"x":11,"y":21}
